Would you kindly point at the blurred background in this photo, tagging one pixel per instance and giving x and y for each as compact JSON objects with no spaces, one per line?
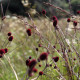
{"x":22,"y":7}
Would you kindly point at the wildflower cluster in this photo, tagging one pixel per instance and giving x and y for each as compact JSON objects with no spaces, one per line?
{"x":50,"y":52}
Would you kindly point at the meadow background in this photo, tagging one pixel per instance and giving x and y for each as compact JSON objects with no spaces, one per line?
{"x":13,"y":63}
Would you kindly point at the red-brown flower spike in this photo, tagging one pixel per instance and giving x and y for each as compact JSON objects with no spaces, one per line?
{"x":32,"y":63}
{"x":10,"y":38}
{"x":50,"y":65}
{"x":43,"y":56}
{"x":69,"y":50}
{"x":9,"y":33}
{"x":27,"y":62}
{"x":74,"y":59}
{"x":35,"y":70}
{"x":39,"y":65}
{"x":75,"y":23}
{"x":55,"y":59}
{"x":36,"y":49}
{"x":68,"y":20}
{"x":30,"y":57}
{"x":6,"y":50}
{"x":39,"y":45}
{"x":2,"y":51}
{"x":78,"y":12}
{"x":54,"y":46}
{"x":54,"y":18}
{"x":55,"y":23}
{"x":41,"y":73}
{"x":29,"y":32}
{"x":44,"y":12}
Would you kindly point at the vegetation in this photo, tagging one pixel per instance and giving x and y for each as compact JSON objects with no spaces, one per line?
{"x":42,"y":48}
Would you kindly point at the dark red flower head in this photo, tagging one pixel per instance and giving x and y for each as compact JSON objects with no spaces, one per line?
{"x":9,"y":33}
{"x":78,"y":12}
{"x":27,"y":62}
{"x":74,"y":59}
{"x":50,"y":65}
{"x":43,"y":56}
{"x":68,"y":20}
{"x":10,"y":38}
{"x":6,"y":50}
{"x":32,"y":63}
{"x":75,"y":23}
{"x":56,"y":59}
{"x":30,"y":57}
{"x":29,"y":32}
{"x":54,"y":46}
{"x":44,"y":12}
{"x":54,"y":18}
{"x":36,"y":49}
{"x":35,"y":70}
{"x":2,"y":51}
{"x":39,"y":45}
{"x":55,"y":23}
{"x":39,"y":65}
{"x":41,"y":73}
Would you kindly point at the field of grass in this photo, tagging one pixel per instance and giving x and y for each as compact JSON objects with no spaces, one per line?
{"x":13,"y":64}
